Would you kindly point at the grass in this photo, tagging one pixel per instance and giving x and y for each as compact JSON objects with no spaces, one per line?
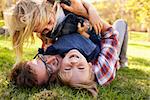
{"x":1,"y":22}
{"x":132,"y":83}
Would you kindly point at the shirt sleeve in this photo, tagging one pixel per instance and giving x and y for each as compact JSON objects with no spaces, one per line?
{"x":105,"y":66}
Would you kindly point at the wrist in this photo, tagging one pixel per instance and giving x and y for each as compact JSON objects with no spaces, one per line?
{"x":92,"y":11}
{"x":89,"y":7}
{"x":85,"y":34}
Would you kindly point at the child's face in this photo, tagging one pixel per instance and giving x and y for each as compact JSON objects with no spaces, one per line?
{"x":45,"y":26}
{"x":75,"y":68}
{"x":40,"y":69}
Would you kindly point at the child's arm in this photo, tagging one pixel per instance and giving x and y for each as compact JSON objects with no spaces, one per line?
{"x":76,"y":7}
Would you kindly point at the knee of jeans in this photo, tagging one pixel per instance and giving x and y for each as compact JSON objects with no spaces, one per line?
{"x":120,"y":22}
{"x":120,"y":25}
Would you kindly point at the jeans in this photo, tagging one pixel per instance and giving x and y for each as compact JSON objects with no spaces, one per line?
{"x":121,"y":26}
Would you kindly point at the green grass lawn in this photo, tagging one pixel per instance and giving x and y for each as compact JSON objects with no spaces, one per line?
{"x":1,"y":22}
{"x":132,"y":83}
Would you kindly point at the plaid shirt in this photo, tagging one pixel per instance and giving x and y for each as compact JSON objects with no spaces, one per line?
{"x":105,"y":66}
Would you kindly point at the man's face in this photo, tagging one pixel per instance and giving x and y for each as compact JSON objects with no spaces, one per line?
{"x":75,"y":68}
{"x":40,"y":69}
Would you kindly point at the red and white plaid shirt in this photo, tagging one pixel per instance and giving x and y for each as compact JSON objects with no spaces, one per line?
{"x":106,"y":64}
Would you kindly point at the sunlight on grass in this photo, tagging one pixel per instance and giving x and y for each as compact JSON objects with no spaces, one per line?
{"x":138,"y":36}
{"x":131,"y":83}
{"x":1,"y":23}
{"x":139,"y":49}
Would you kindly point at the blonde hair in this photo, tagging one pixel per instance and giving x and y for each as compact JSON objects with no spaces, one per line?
{"x":90,"y":85}
{"x":22,"y":20}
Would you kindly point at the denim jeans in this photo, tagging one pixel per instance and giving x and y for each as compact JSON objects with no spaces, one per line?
{"x":121,"y":26}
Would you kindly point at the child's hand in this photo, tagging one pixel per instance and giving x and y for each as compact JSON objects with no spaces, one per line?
{"x":83,"y":30}
{"x":47,"y":44}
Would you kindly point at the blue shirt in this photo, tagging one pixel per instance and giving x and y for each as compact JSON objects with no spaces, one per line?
{"x":74,"y":41}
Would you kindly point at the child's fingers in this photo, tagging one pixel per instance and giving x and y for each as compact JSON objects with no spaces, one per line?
{"x":80,"y":28}
{"x":79,"y":25}
{"x":86,"y":26}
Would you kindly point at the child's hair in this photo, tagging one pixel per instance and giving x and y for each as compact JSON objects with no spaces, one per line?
{"x":22,"y":19}
{"x":23,"y":75}
{"x":90,"y":85}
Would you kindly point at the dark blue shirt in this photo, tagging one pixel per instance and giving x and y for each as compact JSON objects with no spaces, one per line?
{"x":74,"y":41}
{"x":69,"y":26}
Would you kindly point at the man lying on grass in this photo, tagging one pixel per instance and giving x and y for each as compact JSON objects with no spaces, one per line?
{"x":104,"y":67}
{"x":25,"y":75}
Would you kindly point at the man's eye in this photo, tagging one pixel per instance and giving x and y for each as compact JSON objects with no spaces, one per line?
{"x":54,"y":63}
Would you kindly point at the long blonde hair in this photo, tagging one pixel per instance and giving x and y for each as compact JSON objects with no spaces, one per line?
{"x":89,"y":85}
{"x":22,"y":19}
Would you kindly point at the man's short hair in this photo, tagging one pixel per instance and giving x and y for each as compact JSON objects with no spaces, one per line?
{"x":23,"y":75}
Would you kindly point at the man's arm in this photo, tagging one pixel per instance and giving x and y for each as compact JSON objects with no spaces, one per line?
{"x":76,"y":7}
{"x":105,"y":67}
{"x":86,"y":9}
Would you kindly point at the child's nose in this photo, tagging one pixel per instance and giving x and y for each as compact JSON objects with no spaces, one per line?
{"x":74,"y":61}
{"x":49,"y":27}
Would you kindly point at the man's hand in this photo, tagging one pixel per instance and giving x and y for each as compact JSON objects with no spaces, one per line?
{"x":95,"y":20}
{"x":76,"y":7}
{"x":84,"y":8}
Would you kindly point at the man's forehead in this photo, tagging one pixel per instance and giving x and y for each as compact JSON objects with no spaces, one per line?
{"x":49,"y":56}
{"x":34,"y":61}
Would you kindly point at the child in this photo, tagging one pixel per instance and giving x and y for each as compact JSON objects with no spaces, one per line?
{"x":28,"y":17}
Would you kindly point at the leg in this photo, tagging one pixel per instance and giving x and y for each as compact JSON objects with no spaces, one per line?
{"x":121,"y":26}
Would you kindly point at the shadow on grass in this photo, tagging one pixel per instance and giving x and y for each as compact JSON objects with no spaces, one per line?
{"x":130,"y":84}
{"x":140,"y":45}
